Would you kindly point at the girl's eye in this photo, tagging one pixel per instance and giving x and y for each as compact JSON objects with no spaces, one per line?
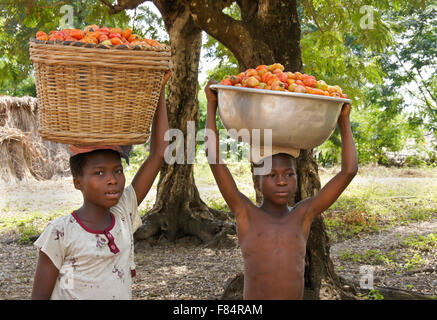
{"x":119,"y":171}
{"x":99,"y":173}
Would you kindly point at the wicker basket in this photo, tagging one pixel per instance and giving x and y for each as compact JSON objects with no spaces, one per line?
{"x":95,"y":96}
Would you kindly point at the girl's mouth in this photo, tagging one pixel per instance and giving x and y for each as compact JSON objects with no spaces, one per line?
{"x":112,"y":194}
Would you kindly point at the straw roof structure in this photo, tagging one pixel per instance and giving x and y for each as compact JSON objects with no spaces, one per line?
{"x":23,"y":154}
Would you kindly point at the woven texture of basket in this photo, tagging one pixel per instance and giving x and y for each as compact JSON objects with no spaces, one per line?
{"x":96,"y":96}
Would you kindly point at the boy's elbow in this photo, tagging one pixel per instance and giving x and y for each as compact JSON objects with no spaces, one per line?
{"x":352,"y":171}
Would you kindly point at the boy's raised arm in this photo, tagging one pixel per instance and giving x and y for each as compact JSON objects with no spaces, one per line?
{"x":349,"y":167}
{"x":235,"y":199}
{"x":148,"y":171}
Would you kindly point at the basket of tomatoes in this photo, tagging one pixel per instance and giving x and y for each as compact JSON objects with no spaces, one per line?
{"x":97,"y":86}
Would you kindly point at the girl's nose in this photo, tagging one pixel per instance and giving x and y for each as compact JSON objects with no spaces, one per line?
{"x":111,"y":178}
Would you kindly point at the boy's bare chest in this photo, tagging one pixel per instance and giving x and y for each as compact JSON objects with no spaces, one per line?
{"x":264,"y":236}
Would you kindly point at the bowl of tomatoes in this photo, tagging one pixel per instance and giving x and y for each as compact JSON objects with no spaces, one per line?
{"x":297,"y":119}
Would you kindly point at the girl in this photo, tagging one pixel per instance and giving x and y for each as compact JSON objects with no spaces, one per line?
{"x":89,"y":254}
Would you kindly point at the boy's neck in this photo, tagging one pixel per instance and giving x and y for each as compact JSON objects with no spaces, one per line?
{"x":274,"y":209}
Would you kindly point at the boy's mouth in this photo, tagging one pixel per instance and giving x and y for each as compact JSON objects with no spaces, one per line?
{"x":282,"y":193}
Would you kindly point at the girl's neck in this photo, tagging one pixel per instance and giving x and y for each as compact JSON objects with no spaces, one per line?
{"x":94,"y":217}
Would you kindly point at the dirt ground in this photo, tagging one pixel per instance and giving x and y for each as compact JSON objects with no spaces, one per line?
{"x":185,"y":269}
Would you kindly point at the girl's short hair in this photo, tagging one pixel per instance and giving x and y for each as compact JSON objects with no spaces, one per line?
{"x":78,"y":161}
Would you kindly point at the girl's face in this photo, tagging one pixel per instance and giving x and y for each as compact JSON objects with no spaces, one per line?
{"x":281,"y":183}
{"x":102,"y":180}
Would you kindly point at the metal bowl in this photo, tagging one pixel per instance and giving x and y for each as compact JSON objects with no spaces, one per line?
{"x":297,"y":120}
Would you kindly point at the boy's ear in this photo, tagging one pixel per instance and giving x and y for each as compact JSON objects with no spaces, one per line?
{"x":257,"y":181}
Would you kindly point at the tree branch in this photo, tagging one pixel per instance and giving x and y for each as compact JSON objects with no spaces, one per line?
{"x":122,"y":5}
{"x":208,"y":15}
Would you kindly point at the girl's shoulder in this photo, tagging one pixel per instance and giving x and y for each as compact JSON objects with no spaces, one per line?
{"x":61,"y":224}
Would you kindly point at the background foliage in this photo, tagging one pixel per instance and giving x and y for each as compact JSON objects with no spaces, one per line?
{"x":386,"y":64}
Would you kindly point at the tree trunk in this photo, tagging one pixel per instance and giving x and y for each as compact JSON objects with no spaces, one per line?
{"x":178,"y":209}
{"x":269,"y":32}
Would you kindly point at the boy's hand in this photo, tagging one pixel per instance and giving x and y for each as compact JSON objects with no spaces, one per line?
{"x":345,"y":112}
{"x":211,"y":95}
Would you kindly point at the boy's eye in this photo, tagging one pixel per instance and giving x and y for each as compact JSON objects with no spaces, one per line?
{"x":119,"y":171}
{"x":99,"y":173}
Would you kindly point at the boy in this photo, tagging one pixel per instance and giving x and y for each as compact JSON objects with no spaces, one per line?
{"x":90,"y":253}
{"x":273,"y":237}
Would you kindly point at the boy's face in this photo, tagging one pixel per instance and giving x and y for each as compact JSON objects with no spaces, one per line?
{"x":281,"y":183}
{"x":102,"y":180}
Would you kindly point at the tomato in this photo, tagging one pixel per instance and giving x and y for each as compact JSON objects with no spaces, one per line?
{"x":290,"y":75}
{"x":234,"y":79}
{"x":115,"y":30}
{"x":77,"y":34}
{"x":226,"y":82}
{"x":251,"y":72}
{"x":55,"y":37}
{"x":282,"y":76}
{"x":300,"y":89}
{"x":92,"y":27}
{"x":290,"y":82}
{"x":114,"y":35}
{"x":41,"y":35}
{"x":152,"y":42}
{"x":133,"y":37}
{"x":252,"y":82}
{"x":273,"y":79}
{"x":266,"y":77}
{"x":276,"y":66}
{"x":126,"y":33}
{"x":309,"y":81}
{"x":262,"y":69}
{"x":103,"y":30}
{"x":103,"y":37}
{"x":115,"y":40}
{"x":278,"y":85}
{"x":299,"y":83}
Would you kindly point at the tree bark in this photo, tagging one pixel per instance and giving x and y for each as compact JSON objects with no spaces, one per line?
{"x":178,"y":209}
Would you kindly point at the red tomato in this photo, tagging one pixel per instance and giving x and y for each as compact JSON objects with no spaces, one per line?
{"x":113,"y":35}
{"x":226,"y":82}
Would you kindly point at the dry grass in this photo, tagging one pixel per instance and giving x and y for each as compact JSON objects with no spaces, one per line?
{"x":23,"y":154}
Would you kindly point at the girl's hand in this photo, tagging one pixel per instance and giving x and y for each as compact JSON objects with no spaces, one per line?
{"x":167,"y":76}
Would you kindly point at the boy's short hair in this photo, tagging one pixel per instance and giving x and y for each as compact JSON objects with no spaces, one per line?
{"x":78,"y":161}
{"x":284,"y":155}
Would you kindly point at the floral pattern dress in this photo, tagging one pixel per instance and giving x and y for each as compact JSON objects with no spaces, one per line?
{"x":93,"y":264}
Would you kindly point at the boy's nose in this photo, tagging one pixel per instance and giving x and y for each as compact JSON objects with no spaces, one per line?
{"x":281,"y":180}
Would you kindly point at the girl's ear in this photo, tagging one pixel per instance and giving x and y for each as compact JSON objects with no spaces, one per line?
{"x":77,"y":181}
